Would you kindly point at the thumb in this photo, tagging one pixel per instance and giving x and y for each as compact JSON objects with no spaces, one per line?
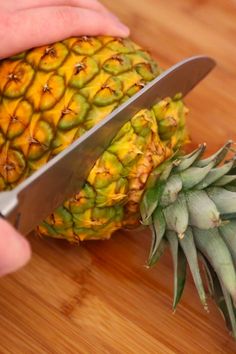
{"x":14,"y":249}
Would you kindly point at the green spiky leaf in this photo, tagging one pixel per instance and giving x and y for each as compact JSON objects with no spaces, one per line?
{"x":158,"y":231}
{"x":176,"y":216}
{"x":196,"y":213}
{"x":188,"y":245}
{"x":218,"y":157}
{"x":211,"y":244}
{"x":224,"y":200}
{"x":198,"y":201}
{"x":186,"y":161}
{"x":179,"y":263}
{"x":221,"y":297}
{"x":228,"y":232}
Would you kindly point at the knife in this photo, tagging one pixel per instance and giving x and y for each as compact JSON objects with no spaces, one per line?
{"x":40,"y":194}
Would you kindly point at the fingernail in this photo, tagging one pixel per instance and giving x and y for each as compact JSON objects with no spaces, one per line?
{"x":114,"y":16}
{"x":124,"y":30}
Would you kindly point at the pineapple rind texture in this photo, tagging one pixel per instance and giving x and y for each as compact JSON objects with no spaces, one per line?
{"x":49,"y":96}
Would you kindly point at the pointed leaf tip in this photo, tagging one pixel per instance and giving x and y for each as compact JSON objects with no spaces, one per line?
{"x":188,"y":160}
{"x":158,"y":230}
{"x":211,"y":244}
{"x":188,"y":245}
{"x":179,"y":263}
{"x":218,"y":157}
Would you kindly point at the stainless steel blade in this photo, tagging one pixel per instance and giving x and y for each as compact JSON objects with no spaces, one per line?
{"x":35,"y":198}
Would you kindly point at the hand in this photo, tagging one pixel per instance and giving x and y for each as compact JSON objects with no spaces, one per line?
{"x":30,"y":23}
{"x":14,"y":249}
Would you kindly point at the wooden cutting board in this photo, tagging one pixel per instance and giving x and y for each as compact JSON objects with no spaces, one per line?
{"x":99,"y":298}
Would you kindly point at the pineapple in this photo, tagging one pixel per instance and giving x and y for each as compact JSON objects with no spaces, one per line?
{"x":49,"y":96}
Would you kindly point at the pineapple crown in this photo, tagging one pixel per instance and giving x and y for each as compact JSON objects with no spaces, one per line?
{"x":190,"y":204}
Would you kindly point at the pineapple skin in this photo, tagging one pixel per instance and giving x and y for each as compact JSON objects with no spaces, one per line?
{"x":49,"y":96}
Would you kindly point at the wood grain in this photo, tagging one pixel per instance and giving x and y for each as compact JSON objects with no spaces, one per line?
{"x":99,"y":298}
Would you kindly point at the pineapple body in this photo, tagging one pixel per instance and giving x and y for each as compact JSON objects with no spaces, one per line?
{"x":49,"y":96}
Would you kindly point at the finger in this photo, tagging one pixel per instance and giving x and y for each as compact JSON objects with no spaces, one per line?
{"x":14,"y":249}
{"x":14,"y":5}
{"x":35,"y":27}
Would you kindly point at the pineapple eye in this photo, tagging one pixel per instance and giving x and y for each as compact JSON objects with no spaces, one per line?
{"x":83,"y":72}
{"x":79,"y":67}
{"x":15,"y":78}
{"x":46,"y":90}
{"x":50,"y":51}
{"x":48,"y":58}
{"x":121,"y":45}
{"x":110,"y":92}
{"x":75,"y":113}
{"x":117,"y":64}
{"x":12,"y":165}
{"x":86,"y":45}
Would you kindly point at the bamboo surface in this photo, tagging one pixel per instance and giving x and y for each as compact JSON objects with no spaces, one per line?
{"x":99,"y":298}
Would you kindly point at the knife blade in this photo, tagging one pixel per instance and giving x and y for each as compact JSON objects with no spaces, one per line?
{"x":40,"y":194}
